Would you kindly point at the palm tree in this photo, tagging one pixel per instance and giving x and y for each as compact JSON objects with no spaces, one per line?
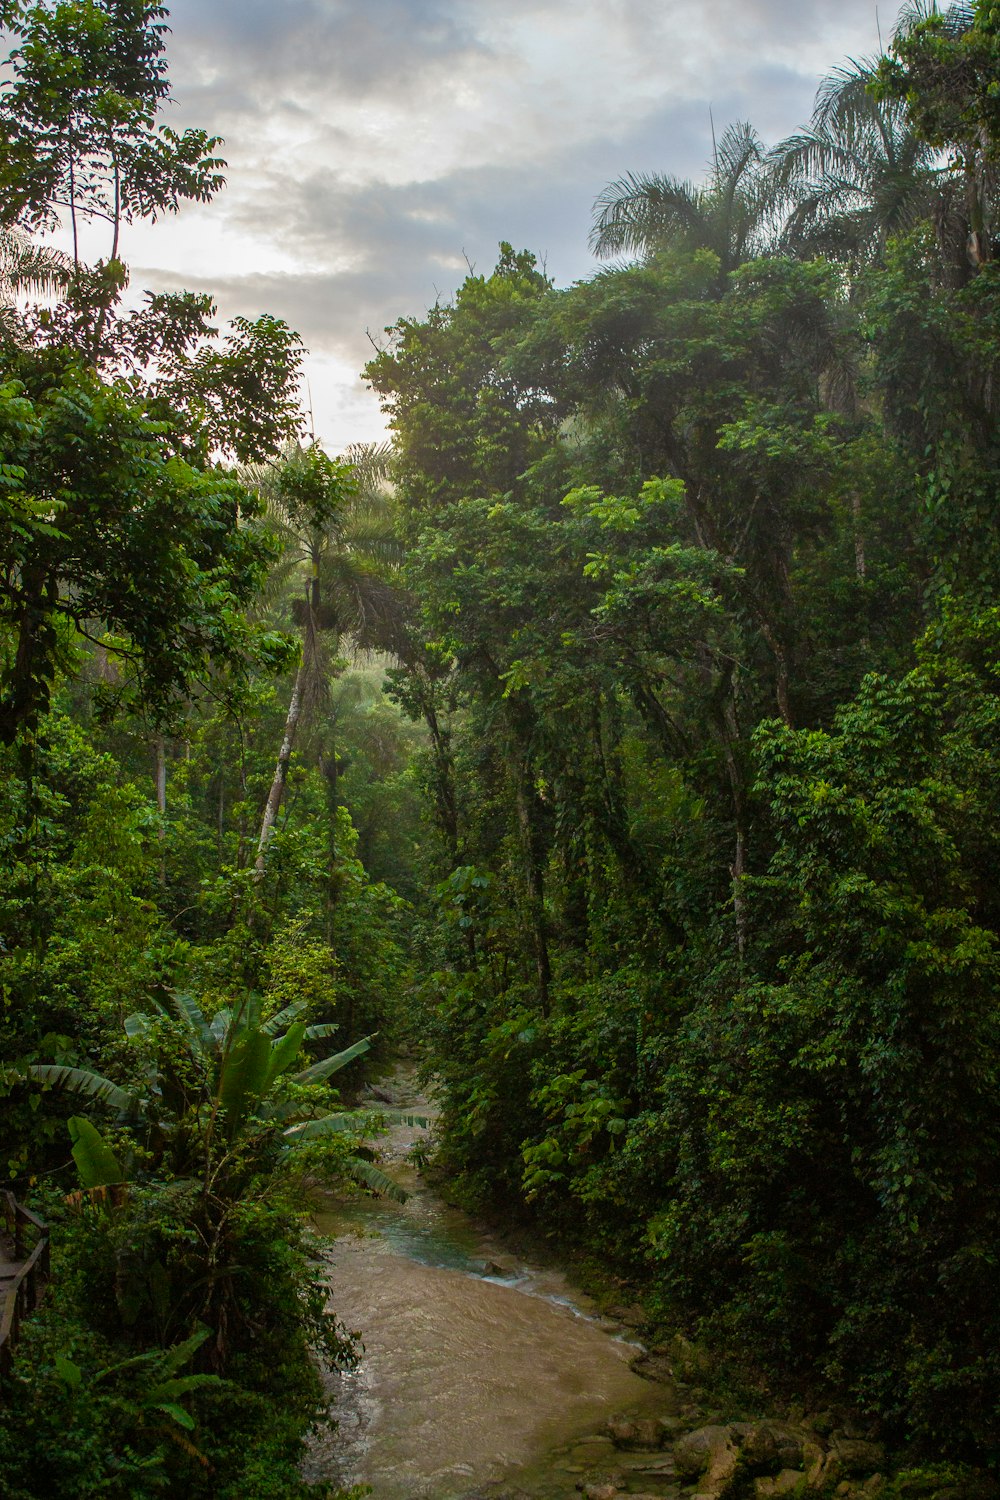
{"x":641,"y":214}
{"x":856,"y":175}
{"x":26,"y":267}
{"x":335,"y":518}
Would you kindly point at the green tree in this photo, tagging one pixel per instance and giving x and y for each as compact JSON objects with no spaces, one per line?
{"x":104,"y":530}
{"x":729,"y":215}
{"x":334,"y":520}
{"x":858,"y":174}
{"x":78,"y":123}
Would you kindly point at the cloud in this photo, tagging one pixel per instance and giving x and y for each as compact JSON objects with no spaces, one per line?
{"x":248,"y":53}
{"x":375,"y":144}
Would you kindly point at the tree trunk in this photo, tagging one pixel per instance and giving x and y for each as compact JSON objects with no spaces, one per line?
{"x":280,"y":771}
{"x":729,"y":733}
{"x":160,"y":776}
{"x":535,"y":883}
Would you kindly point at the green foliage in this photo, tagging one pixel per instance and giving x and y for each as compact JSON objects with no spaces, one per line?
{"x":91,"y":541}
{"x":78,"y":123}
{"x":702,"y":556}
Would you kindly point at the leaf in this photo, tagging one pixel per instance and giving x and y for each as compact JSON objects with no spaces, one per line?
{"x":83,"y":1081}
{"x":284,"y":1018}
{"x":375,"y":1179}
{"x":69,"y":1373}
{"x":329,"y":1065}
{"x":321,"y":1031}
{"x":188,"y":1011}
{"x":243,"y":1078}
{"x":168,"y":1389}
{"x":337,"y":1124}
{"x":181,"y":1417}
{"x":283,"y":1054}
{"x":95,"y":1161}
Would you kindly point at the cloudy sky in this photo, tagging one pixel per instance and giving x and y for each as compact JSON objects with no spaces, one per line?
{"x":377,"y":146}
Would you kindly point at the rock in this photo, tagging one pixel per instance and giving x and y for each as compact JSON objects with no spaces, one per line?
{"x":496,"y":1490}
{"x":672,"y":1426}
{"x":857,"y":1458}
{"x":821,"y":1422}
{"x":690,"y":1362}
{"x":812,"y":1455}
{"x":788,"y":1482}
{"x":653,"y":1366}
{"x":770,"y":1445}
{"x":632,"y":1316}
{"x":712,"y":1454}
{"x":636,"y":1434}
{"x":693,"y":1452}
{"x":600,"y":1491}
{"x":814,"y":1472}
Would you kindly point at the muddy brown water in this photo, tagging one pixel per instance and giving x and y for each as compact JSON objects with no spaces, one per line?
{"x":477,"y":1368}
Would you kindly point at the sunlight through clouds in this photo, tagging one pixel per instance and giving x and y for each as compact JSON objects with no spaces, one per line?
{"x":374,"y":148}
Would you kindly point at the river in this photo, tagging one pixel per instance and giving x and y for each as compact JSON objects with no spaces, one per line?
{"x":480,"y":1373}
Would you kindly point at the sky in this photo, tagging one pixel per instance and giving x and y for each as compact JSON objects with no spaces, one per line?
{"x":377,"y":149}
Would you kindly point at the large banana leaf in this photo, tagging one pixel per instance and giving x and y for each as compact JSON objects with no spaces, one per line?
{"x":90,"y":1084}
{"x":284,"y":1018}
{"x":320,"y":1070}
{"x":314,"y":1130}
{"x":243,"y":1078}
{"x":372,"y":1177}
{"x":188,"y":1011}
{"x":356,"y":1120}
{"x":95,"y":1161}
{"x":284,"y":1053}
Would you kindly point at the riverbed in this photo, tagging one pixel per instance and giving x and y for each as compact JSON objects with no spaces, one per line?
{"x":479,"y":1370}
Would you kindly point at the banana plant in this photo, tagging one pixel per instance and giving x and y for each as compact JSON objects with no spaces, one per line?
{"x":160,"y":1389}
{"x":227,"y":1083}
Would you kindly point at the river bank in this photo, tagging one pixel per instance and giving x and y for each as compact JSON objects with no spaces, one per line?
{"x":485,"y":1375}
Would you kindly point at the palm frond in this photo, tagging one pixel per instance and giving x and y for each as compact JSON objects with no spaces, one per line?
{"x":635,"y":210}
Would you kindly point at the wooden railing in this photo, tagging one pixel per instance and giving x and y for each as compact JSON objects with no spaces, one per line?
{"x":30,"y":1239}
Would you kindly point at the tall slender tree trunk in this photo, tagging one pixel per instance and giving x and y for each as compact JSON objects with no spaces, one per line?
{"x":727,"y":728}
{"x":160,"y":777}
{"x":534,"y":882}
{"x":281,"y":769}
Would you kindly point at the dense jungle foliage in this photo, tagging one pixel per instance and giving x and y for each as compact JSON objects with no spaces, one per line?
{"x":624,"y":736}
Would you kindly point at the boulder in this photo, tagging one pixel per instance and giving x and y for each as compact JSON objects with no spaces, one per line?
{"x":856,"y":1457}
{"x":711,"y":1455}
{"x":693,"y":1452}
{"x":636,"y":1434}
{"x":788,"y":1482}
{"x":653,"y":1365}
{"x":769,"y":1446}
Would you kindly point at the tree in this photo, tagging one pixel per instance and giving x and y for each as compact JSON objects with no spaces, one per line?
{"x":335,"y":523}
{"x":945,"y":66}
{"x":730,"y":215}
{"x":25,"y":267}
{"x":858,"y":174}
{"x":104,"y":530}
{"x":78,"y":123}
